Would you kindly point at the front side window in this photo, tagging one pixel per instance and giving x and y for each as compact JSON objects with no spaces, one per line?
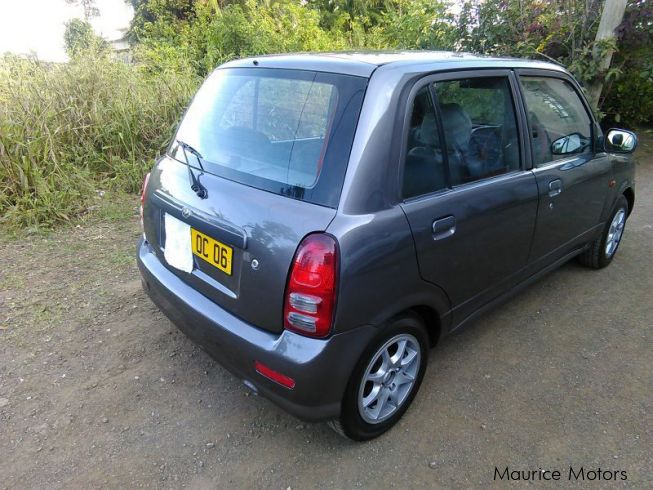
{"x":480,"y":127}
{"x":559,"y":124}
{"x":423,"y":165}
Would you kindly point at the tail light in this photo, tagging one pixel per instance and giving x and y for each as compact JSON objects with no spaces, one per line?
{"x":145,"y":181}
{"x":311,"y":291}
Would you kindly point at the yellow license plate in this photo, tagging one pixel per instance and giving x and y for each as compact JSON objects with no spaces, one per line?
{"x":212,"y":251}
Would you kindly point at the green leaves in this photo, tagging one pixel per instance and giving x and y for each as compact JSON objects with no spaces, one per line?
{"x":79,"y":38}
{"x":67,"y":128}
{"x":216,"y":32}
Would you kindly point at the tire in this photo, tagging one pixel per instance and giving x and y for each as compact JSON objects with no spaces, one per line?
{"x":392,"y":391}
{"x":598,"y":255}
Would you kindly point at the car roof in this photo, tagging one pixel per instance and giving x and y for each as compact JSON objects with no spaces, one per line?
{"x":364,"y":63}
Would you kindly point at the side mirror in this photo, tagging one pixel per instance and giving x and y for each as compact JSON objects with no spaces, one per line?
{"x":569,"y":144}
{"x":620,"y":141}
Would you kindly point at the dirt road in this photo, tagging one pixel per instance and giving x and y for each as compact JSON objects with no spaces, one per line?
{"x":99,"y":389}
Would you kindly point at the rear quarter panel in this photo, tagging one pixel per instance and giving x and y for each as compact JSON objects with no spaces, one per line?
{"x":379,"y":277}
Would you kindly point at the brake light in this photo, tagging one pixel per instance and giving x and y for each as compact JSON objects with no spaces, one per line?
{"x":145,"y":181}
{"x":311,"y":290}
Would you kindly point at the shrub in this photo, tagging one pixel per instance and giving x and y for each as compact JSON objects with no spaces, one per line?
{"x":213,"y":35}
{"x":79,"y":37}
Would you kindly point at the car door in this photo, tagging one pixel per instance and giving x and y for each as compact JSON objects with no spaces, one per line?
{"x":470,"y":202}
{"x":573,"y":180}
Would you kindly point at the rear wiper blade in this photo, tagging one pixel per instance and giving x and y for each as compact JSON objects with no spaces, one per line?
{"x":195,"y":184}
{"x":186,"y":147}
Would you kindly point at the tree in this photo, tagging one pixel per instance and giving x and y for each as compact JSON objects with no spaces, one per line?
{"x":159,"y":18}
{"x":627,"y":100}
{"x":90,"y":10}
{"x":79,"y":37}
{"x":418,"y":24}
{"x":611,"y":17}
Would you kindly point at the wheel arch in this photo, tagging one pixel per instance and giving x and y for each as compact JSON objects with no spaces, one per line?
{"x":432,"y":321}
{"x":629,"y":194}
{"x":435,"y":323}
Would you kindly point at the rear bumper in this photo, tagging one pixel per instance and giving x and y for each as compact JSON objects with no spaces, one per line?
{"x":320,"y":368}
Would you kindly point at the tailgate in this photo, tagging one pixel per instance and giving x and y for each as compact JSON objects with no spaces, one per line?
{"x":261,"y":229}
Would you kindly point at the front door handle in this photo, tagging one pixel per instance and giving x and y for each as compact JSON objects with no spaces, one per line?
{"x":555,"y":187}
{"x":443,"y":227}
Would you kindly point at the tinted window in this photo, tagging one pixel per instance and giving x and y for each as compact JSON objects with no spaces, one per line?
{"x":281,"y":109}
{"x":285,"y":131}
{"x":423,"y":167}
{"x":559,"y":123}
{"x":480,"y":127}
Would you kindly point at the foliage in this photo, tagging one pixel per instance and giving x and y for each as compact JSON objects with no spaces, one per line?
{"x":172,"y":38}
{"x":250,"y":29}
{"x":628,"y":98}
{"x":170,"y":33}
{"x":526,"y":28}
{"x":158,"y":20}
{"x":79,"y":37}
{"x":418,"y":24}
{"x":200,"y":34}
{"x":563,"y":31}
{"x":65,"y":129}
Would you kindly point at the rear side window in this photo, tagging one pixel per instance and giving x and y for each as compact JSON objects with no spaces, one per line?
{"x":480,"y":127}
{"x":284,"y":131}
{"x":559,"y":124}
{"x":424,"y":165}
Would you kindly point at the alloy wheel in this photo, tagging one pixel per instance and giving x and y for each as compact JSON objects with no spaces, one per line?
{"x":615,"y":232}
{"x":389,"y":378}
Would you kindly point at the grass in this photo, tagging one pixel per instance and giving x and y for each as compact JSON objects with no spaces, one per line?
{"x":111,"y":206}
{"x":67,"y":130}
{"x":13,"y":280}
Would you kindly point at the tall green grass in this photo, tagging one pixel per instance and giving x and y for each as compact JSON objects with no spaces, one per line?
{"x":69,"y":129}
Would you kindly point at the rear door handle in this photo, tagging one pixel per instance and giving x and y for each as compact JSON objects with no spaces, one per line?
{"x":443,"y":227}
{"x":555,"y":187}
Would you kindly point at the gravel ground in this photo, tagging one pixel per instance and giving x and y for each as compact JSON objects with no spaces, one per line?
{"x":99,"y":389}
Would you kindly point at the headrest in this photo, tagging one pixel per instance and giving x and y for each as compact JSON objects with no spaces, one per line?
{"x":427,"y":133}
{"x":457,"y":126}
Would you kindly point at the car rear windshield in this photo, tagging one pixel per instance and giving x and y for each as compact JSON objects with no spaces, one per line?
{"x":283,"y":131}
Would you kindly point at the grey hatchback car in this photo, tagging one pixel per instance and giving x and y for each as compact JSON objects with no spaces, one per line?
{"x":321,"y":220}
